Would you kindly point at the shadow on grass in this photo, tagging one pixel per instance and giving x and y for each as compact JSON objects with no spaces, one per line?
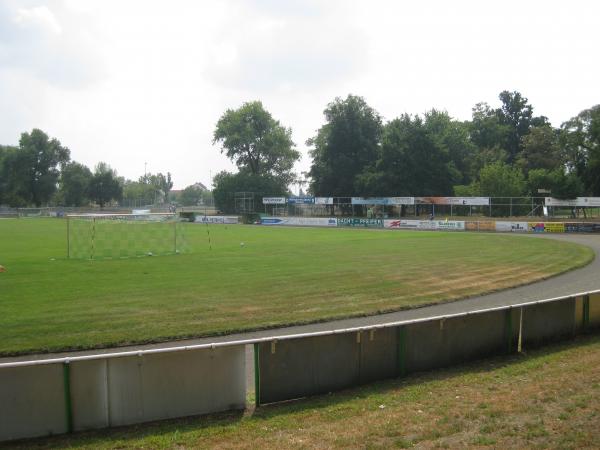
{"x":167,"y":432}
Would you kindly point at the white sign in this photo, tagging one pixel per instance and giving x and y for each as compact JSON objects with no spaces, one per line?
{"x":576,"y":202}
{"x":457,"y":225}
{"x":300,"y":221}
{"x":217,"y":219}
{"x":511,"y":227}
{"x":323,"y":200}
{"x":383,"y":201}
{"x":273,"y":200}
{"x":465,"y":201}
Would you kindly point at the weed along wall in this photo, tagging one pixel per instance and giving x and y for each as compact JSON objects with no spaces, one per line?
{"x":45,"y":397}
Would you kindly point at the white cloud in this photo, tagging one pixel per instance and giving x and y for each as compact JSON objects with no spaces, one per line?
{"x":38,"y":17}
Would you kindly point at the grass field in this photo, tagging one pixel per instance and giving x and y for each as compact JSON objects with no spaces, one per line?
{"x":547,"y":398}
{"x":280,"y":276}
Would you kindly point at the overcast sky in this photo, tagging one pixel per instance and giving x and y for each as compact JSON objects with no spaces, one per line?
{"x":129,"y":82}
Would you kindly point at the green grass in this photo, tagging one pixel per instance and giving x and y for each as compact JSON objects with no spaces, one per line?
{"x":281,"y":276}
{"x":546,"y":398}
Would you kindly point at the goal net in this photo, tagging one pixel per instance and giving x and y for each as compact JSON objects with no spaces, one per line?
{"x":108,"y":236}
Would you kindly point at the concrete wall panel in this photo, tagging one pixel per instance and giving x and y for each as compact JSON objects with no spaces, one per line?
{"x":595,"y":310}
{"x":548,"y":321}
{"x":89,"y":395}
{"x":32,"y":401}
{"x":301,"y":367}
{"x":378,"y":354}
{"x":443,"y":343}
{"x":167,"y":385}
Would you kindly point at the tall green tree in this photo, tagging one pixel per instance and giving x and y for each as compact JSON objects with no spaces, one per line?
{"x":558,"y":182}
{"x":257,"y":143}
{"x":32,"y":170}
{"x":227,"y":184}
{"x":74,"y":184}
{"x":580,"y":139}
{"x":104,"y":185}
{"x":344,"y":147}
{"x":541,"y":150}
{"x":501,"y":180}
{"x":414,"y":161}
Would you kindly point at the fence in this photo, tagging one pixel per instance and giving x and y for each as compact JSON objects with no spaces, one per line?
{"x":52,"y":396}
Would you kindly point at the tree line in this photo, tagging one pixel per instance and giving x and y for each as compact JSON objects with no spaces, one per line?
{"x":40,"y":172}
{"x":503,"y":151}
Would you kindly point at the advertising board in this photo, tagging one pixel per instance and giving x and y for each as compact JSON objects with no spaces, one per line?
{"x":273,"y":200}
{"x":576,"y":202}
{"x":323,"y":200}
{"x":361,"y":223}
{"x":383,"y":200}
{"x":481,"y":225}
{"x":301,"y":200}
{"x":300,"y":221}
{"x":464,"y":201}
{"x":546,"y":227}
{"x":217,"y":219}
{"x":401,"y":224}
{"x":582,"y":227}
{"x":511,"y":227}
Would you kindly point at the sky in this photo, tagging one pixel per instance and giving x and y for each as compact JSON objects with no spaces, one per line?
{"x":142,"y":84}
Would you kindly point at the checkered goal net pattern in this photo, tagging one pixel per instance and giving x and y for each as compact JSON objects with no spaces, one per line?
{"x":125,"y":236}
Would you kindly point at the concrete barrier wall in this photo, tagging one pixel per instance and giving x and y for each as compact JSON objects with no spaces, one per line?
{"x":120,"y":391}
{"x":314,"y":365}
{"x":594,"y":310}
{"x":32,"y":401}
{"x":550,"y":321}
{"x":441,"y":343}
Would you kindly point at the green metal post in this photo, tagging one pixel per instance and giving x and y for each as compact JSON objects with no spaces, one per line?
{"x":586,"y":312}
{"x":257,"y":374}
{"x":67,"y":391}
{"x":401,"y":357}
{"x":509,"y":331}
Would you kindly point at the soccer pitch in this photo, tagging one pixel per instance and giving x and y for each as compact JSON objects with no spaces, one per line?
{"x":278,"y":276}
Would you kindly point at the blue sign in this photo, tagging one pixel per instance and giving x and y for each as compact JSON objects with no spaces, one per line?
{"x":301,"y":200}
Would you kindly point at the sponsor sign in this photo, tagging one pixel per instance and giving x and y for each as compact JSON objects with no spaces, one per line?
{"x":273,"y":200}
{"x":364,"y":223}
{"x":466,"y":201}
{"x":547,"y":227}
{"x":512,"y":227}
{"x":217,"y":219}
{"x":383,"y":200}
{"x":482,"y":225}
{"x":582,"y":227}
{"x":323,"y":200}
{"x":576,"y":202}
{"x":440,"y":225}
{"x":554,"y":227}
{"x":300,"y":221}
{"x":401,"y":224}
{"x":301,"y":200}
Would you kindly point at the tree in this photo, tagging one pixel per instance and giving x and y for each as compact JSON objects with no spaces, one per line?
{"x":191,"y":195}
{"x":227,"y":184}
{"x":516,"y":114}
{"x":344,"y":147}
{"x":541,"y":150}
{"x":414,"y":160}
{"x":105,"y":185}
{"x":74,"y":184}
{"x":580,"y":139}
{"x":31,"y":171}
{"x":501,"y":180}
{"x":257,"y":143}
{"x":561,"y":184}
